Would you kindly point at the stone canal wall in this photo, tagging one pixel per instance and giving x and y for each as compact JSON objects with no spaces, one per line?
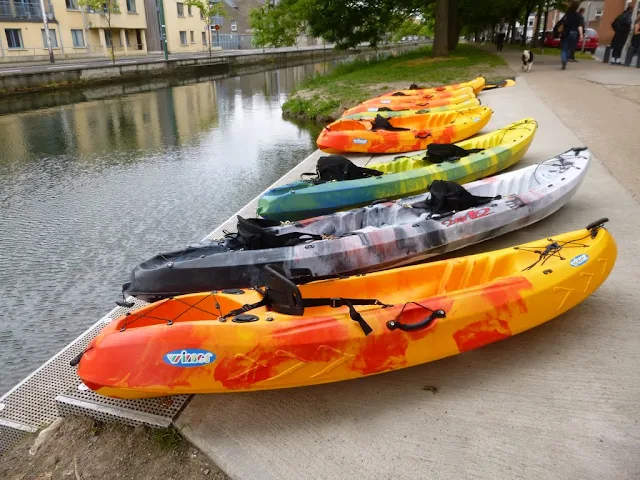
{"x":21,"y":83}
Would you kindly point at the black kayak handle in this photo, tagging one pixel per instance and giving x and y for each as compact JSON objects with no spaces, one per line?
{"x":405,"y":327}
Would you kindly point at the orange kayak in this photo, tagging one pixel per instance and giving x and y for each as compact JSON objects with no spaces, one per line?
{"x":346,"y":328}
{"x":409,"y":103}
{"x":477,"y":85}
{"x":413,"y":132}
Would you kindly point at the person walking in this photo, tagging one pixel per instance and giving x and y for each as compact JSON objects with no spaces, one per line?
{"x":572,"y":55}
{"x":622,"y":26}
{"x":635,"y":43}
{"x":570,"y":32}
{"x":502,"y":34}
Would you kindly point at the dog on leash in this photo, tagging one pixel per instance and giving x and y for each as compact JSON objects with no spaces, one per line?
{"x":527,"y":60}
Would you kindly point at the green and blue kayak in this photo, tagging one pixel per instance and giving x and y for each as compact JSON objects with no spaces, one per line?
{"x":402,"y":177}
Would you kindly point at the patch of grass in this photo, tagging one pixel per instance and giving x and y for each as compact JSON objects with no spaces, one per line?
{"x":323,"y":97}
{"x":168,"y":438}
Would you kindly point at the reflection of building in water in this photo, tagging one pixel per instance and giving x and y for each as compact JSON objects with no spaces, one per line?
{"x":147,"y":122}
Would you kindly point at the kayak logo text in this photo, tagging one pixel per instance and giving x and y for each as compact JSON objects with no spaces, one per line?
{"x":189,"y":358}
{"x":579,"y":260}
{"x":359,"y":141}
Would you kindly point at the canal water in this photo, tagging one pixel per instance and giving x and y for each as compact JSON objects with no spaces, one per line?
{"x":88,"y":190}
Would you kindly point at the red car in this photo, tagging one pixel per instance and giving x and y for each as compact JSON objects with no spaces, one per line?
{"x":591,"y":39}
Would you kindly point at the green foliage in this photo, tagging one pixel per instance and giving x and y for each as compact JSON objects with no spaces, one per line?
{"x":207,"y":10}
{"x":278,"y":25}
{"x":413,"y":27}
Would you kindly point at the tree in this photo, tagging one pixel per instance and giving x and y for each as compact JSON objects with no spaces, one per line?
{"x":207,"y":10}
{"x":105,"y":10}
{"x":441,"y":37}
{"x":278,"y":25}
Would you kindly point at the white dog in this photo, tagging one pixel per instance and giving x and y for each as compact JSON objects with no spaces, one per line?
{"x":527,"y":60}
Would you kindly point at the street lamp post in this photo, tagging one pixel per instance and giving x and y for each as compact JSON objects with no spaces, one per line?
{"x":163,"y":30}
{"x":45,"y":21}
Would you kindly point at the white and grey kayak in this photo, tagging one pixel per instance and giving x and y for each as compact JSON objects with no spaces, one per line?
{"x":366,"y":239}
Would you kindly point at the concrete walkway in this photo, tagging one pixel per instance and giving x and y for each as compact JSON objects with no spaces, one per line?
{"x":560,"y":401}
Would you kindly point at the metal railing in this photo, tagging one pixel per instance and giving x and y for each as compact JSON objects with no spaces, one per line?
{"x":24,"y":11}
{"x":232,"y":41}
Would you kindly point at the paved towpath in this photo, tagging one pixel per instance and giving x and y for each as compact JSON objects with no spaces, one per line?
{"x":559,"y":401}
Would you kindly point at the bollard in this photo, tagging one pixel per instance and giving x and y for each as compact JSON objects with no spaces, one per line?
{"x":607,"y":54}
{"x":638,"y":61}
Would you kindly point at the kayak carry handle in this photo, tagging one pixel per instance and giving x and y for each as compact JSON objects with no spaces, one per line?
{"x":597,"y":223}
{"x":405,"y":327}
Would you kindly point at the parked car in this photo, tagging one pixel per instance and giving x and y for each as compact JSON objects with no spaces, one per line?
{"x":591,"y":40}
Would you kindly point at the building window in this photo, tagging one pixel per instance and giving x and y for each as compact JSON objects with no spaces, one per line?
{"x":598,"y":14}
{"x":14,"y":37}
{"x":234,"y":26}
{"x":192,"y":36}
{"x":201,"y":15}
{"x":180,"y":9}
{"x":107,"y":38}
{"x":52,"y":38}
{"x":131,"y":6}
{"x":183,"y":37}
{"x":189,"y":11}
{"x":204,"y":38}
{"x":77,"y":36}
{"x":530,"y":23}
{"x":126,"y":38}
{"x":71,"y":4}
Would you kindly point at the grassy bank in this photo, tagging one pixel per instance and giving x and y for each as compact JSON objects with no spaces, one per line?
{"x":323,"y":98}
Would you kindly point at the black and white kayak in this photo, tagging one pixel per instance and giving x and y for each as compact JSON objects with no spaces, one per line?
{"x":369,"y":238}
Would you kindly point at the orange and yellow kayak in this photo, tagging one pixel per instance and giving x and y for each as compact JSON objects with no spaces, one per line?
{"x":477,"y":85}
{"x":408,"y":103}
{"x":415,"y":131}
{"x":345,"y":328}
{"x":383,"y":112}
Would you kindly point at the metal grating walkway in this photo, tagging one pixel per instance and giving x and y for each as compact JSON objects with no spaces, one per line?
{"x":52,"y":390}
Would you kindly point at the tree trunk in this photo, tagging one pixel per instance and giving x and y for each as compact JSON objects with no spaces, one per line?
{"x":440,"y":37}
{"x":536,"y":31}
{"x":544,"y":29}
{"x":113,"y":52}
{"x":453,"y":31}
{"x":527,"y":14}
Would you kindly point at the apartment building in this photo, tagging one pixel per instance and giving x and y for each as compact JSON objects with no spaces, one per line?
{"x":73,"y":30}
{"x":187,"y":30}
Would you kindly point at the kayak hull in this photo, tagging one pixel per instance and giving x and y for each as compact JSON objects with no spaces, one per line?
{"x":179,"y":346}
{"x":372,"y":112}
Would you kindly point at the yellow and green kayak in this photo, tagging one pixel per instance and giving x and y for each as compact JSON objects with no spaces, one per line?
{"x":403,"y":177}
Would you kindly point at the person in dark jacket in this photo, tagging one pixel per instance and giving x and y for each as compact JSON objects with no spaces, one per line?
{"x":635,"y":43}
{"x":571,"y":25}
{"x":622,"y":26}
{"x":572,"y":55}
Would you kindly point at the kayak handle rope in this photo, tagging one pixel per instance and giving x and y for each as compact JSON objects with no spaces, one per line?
{"x":406,"y":327}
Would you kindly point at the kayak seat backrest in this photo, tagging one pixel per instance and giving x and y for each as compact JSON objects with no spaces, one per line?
{"x":336,"y":167}
{"x":449,"y":197}
{"x":282,"y":295}
{"x":381,"y":123}
{"x":448,"y":152}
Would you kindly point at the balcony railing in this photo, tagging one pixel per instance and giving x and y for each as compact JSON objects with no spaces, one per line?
{"x":21,"y":11}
